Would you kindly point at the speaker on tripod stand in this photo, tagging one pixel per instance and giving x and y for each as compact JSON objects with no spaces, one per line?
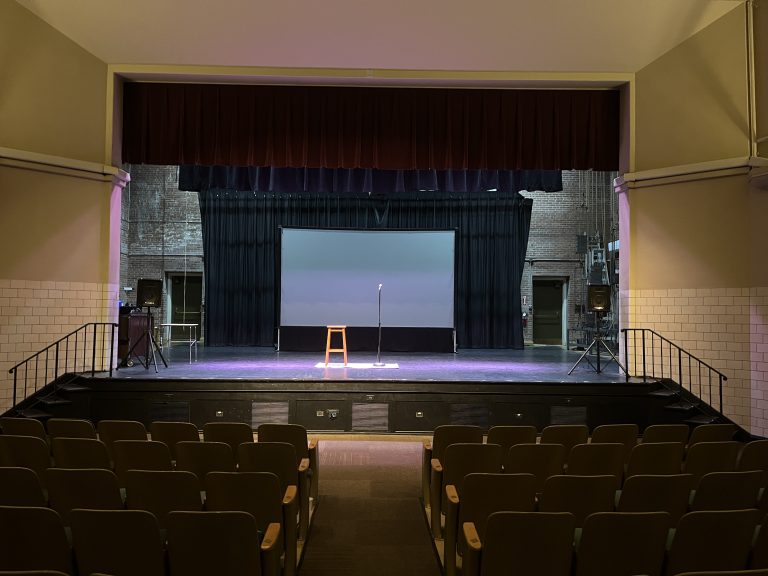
{"x":148,"y":295}
{"x":598,"y":302}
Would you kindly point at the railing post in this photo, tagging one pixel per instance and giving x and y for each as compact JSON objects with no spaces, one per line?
{"x":93,"y":355}
{"x":626,"y":353}
{"x":643,"y":338}
{"x":680,"y":366}
{"x":56,"y":368}
{"x":15,"y":372}
{"x":721,"y":392}
{"x":111,"y":351}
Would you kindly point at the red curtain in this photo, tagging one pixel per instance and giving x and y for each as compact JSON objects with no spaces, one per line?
{"x":383,"y":128}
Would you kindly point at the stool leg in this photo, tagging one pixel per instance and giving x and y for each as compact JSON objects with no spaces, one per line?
{"x":344,"y":344}
{"x":327,"y":348}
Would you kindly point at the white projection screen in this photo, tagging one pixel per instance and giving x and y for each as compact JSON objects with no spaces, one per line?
{"x":332,"y":277}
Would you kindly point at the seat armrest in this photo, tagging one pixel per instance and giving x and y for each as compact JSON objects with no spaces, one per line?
{"x":436,"y":465}
{"x":452,"y":495}
{"x":451,"y":532}
{"x":303,"y":465}
{"x":271,"y":537}
{"x":471,"y":563}
{"x":270,"y":555}
{"x":291,"y":493}
{"x":426,"y":458}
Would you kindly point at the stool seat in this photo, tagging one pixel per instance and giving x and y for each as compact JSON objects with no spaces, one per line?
{"x":336,"y":329}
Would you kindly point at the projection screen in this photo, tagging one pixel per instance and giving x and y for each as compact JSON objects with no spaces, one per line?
{"x":332,"y":277}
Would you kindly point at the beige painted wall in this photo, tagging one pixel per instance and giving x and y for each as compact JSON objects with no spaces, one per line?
{"x":761,"y":74}
{"x":692,"y":102}
{"x":52,"y":92}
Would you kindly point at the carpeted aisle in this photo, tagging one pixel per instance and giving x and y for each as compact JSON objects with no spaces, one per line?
{"x":369,"y":521}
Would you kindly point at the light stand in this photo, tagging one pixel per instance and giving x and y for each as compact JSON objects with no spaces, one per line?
{"x":597,"y":343}
{"x":379,"y":363}
{"x":150,"y":345}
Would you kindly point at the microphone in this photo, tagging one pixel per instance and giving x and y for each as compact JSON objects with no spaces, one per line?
{"x":380,"y":285}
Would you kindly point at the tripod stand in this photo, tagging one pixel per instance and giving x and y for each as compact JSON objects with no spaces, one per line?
{"x":150,"y":345}
{"x":597,"y":343}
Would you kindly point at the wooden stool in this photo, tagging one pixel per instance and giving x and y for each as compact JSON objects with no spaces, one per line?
{"x":336,"y":330}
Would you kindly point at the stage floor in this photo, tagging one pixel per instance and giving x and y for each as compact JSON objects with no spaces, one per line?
{"x":532,"y":364}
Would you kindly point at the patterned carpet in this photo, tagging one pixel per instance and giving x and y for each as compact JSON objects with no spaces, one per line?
{"x":369,"y":521}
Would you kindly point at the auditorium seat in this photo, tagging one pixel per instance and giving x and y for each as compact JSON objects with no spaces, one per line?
{"x":220,"y":543}
{"x":24,"y":530}
{"x":541,"y":460}
{"x":458,"y":460}
{"x":93,"y":488}
{"x":20,"y":487}
{"x":626,"y":434}
{"x":172,"y":432}
{"x":579,"y":495}
{"x":23,"y":427}
{"x":712,"y":540}
{"x":80,"y":453}
{"x":566,"y":434}
{"x":162,"y":491}
{"x":727,"y":491}
{"x":259,"y":494}
{"x":655,"y":458}
{"x":753,"y":456}
{"x":759,"y":556}
{"x":139,"y":455}
{"x":118,"y":542}
{"x":705,"y":457}
{"x":70,"y":428}
{"x":203,"y":457}
{"x":280,"y":459}
{"x":478,"y":496}
{"x":305,"y":448}
{"x":656,"y":493}
{"x":712,"y":433}
{"x":622,"y":543}
{"x":726,"y":573}
{"x":233,"y":433}
{"x":111,"y":430}
{"x":520,"y":544}
{"x":433,"y":449}
{"x":25,"y":452}
{"x":666,"y":433}
{"x":597,"y":460}
{"x":506,"y":436}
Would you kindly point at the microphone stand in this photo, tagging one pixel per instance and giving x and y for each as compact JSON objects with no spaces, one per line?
{"x":378,"y":362}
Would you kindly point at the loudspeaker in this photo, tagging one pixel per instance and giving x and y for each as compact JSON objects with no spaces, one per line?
{"x":598,"y":297}
{"x":148,"y":292}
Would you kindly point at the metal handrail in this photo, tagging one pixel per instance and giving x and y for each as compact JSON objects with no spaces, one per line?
{"x":87,"y":342}
{"x":681,"y":366}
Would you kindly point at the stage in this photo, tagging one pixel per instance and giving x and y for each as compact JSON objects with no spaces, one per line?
{"x":534,"y":364}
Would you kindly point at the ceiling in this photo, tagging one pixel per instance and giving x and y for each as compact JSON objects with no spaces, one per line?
{"x":582,"y":36}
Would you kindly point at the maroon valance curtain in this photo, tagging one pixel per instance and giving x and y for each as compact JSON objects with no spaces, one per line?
{"x":382,"y":128}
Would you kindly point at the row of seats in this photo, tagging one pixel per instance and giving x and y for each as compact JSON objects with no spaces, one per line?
{"x":615,"y":543}
{"x":122,"y":542}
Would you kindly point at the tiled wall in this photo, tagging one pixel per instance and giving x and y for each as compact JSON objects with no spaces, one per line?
{"x":34,"y":314}
{"x":726,"y":328}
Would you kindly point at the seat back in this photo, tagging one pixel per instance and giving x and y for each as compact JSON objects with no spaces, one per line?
{"x":506,"y":436}
{"x":597,"y":460}
{"x":33,"y":539}
{"x":448,"y":434}
{"x":23,"y":427}
{"x":566,"y":434}
{"x":712,"y":433}
{"x":656,"y":493}
{"x":93,"y":488}
{"x":80,"y":453}
{"x":25,"y":452}
{"x":579,"y":495}
{"x":753,"y":456}
{"x":727,"y":491}
{"x":204,"y":457}
{"x":462,"y":459}
{"x":614,"y":543}
{"x":20,"y":487}
{"x":172,"y":432}
{"x":541,"y":460}
{"x":667,"y":433}
{"x":712,"y":540}
{"x":110,"y":431}
{"x":205,"y":543}
{"x":162,"y":491}
{"x":655,"y":458}
{"x":705,"y":457}
{"x":483,"y":494}
{"x":70,"y":428}
{"x":276,"y":457}
{"x":140,"y":455}
{"x":759,"y":557}
{"x":626,"y":434}
{"x":294,"y":434}
{"x":232,"y":433}
{"x":533,"y":543}
{"x":118,"y":542}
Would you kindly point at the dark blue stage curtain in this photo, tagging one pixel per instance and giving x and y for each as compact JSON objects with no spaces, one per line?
{"x":356,"y":181}
{"x":370,"y":127}
{"x":241,"y":235}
